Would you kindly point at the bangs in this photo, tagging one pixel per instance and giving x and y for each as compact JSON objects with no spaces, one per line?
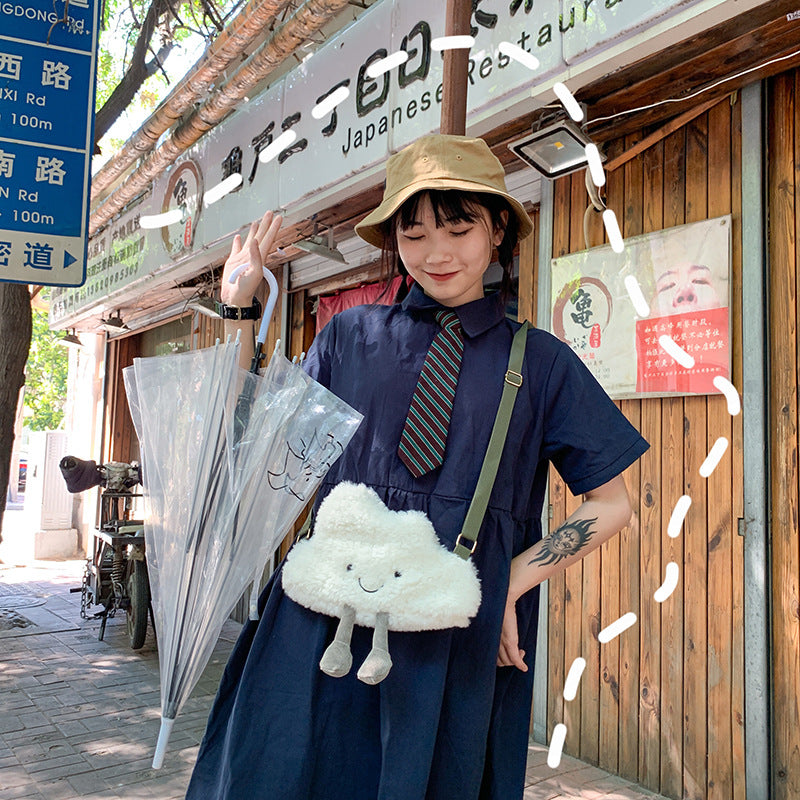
{"x":449,"y":206}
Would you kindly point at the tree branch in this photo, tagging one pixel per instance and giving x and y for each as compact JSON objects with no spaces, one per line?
{"x":158,"y":59}
{"x":138,"y":72}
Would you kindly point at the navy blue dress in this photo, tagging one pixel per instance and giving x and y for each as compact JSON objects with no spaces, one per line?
{"x":446,"y":723}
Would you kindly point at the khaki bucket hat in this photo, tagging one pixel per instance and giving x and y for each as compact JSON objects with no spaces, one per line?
{"x":440,"y":161}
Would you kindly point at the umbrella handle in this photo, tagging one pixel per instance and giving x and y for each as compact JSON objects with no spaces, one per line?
{"x":272,"y":299}
{"x":270,"y":306}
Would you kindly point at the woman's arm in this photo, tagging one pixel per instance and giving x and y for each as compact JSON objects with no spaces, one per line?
{"x":603,"y":513}
{"x":253,"y":252}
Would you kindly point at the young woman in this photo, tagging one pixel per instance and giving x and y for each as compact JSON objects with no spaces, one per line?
{"x":451,"y":719}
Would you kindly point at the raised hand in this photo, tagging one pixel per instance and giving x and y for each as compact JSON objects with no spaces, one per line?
{"x":253,"y":251}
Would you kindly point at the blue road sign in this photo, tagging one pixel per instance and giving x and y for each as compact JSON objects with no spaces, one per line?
{"x":48,"y":53}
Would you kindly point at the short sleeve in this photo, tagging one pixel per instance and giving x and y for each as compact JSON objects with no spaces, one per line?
{"x":318,"y":360}
{"x":586,"y":437}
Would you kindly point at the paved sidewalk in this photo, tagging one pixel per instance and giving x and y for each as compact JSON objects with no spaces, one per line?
{"x":80,"y":717}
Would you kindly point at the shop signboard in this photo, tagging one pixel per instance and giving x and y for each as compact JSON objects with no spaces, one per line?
{"x":47,"y":74}
{"x":382,"y":114}
{"x":589,"y":26}
{"x":335,"y":152}
{"x":121,"y":254}
{"x":191,"y":184}
{"x":683,"y":274}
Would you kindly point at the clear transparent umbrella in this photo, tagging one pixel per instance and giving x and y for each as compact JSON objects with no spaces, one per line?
{"x":229,"y":459}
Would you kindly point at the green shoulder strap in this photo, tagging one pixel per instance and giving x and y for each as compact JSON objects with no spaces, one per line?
{"x":468,"y":538}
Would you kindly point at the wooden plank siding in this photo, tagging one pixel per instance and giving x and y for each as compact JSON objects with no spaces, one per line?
{"x":557,"y":586}
{"x":630,"y":214}
{"x":721,"y":517}
{"x":695,"y":529}
{"x":662,"y":703}
{"x":672,"y":457}
{"x":653,"y":516}
{"x":783,"y":193}
{"x":737,"y":457}
{"x":121,"y":443}
{"x":529,"y":272}
{"x":612,"y":592}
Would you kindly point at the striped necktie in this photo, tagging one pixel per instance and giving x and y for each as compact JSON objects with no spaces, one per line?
{"x":424,"y":436}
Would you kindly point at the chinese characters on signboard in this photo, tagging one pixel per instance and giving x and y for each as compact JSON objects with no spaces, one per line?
{"x":684,"y":275}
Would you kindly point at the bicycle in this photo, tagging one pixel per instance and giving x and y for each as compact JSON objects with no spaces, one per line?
{"x":115,"y":576}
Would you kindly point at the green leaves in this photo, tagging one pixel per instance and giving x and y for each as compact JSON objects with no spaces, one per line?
{"x":149,"y":45}
{"x":46,"y":377}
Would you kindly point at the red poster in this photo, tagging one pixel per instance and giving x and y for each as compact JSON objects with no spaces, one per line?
{"x":701,"y":334}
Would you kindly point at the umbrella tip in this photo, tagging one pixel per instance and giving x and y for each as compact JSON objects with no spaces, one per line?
{"x":161,"y":745}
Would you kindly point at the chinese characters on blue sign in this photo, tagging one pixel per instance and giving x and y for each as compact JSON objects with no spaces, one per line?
{"x":47,"y":74}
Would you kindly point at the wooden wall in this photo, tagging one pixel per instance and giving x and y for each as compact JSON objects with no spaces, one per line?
{"x":662,"y":704}
{"x":783,"y":193}
{"x":120,"y":440}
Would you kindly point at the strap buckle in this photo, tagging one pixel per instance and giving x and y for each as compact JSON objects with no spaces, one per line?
{"x":513,"y":378}
{"x":471,"y":543}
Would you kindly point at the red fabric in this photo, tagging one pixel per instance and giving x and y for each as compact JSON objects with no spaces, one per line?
{"x":362,"y":295}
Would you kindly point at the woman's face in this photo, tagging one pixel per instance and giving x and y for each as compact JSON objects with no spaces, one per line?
{"x":448,"y":262}
{"x":686,"y":287}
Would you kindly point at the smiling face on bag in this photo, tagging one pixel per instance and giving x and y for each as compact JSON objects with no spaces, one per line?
{"x":373,"y":576}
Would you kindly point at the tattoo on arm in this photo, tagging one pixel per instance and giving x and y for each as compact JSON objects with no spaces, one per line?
{"x":564,"y":542}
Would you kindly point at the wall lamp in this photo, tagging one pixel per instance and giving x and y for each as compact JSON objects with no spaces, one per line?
{"x":113,"y":324}
{"x":319,"y":246}
{"x":70,"y":339}
{"x":553,"y":150}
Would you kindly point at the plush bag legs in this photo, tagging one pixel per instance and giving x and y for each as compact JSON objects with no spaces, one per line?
{"x":377,"y":664}
{"x":338,"y":658}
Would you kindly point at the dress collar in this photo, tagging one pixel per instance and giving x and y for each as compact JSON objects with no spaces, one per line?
{"x":475,"y":317}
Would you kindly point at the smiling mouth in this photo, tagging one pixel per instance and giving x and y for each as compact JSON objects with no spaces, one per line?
{"x":441,"y":276}
{"x":369,"y":591}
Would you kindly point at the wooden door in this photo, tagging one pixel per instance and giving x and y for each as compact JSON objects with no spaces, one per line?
{"x":783,"y":202}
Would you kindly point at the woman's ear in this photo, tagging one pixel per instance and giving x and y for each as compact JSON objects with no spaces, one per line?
{"x":500,"y":230}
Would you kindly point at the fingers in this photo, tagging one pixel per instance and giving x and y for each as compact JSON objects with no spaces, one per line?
{"x":256,"y":262}
{"x":267,"y":240}
{"x":517,"y":660}
{"x":509,"y":653}
{"x":263,"y":224}
{"x":251,"y":234}
{"x":511,"y":657}
{"x":263,"y":233}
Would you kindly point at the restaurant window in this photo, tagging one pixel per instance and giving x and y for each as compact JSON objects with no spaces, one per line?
{"x":172,"y":337}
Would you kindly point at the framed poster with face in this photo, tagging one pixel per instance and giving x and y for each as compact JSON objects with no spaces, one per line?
{"x":683,"y":274}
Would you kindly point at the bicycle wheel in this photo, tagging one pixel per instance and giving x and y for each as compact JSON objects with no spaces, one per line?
{"x":139,"y":601}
